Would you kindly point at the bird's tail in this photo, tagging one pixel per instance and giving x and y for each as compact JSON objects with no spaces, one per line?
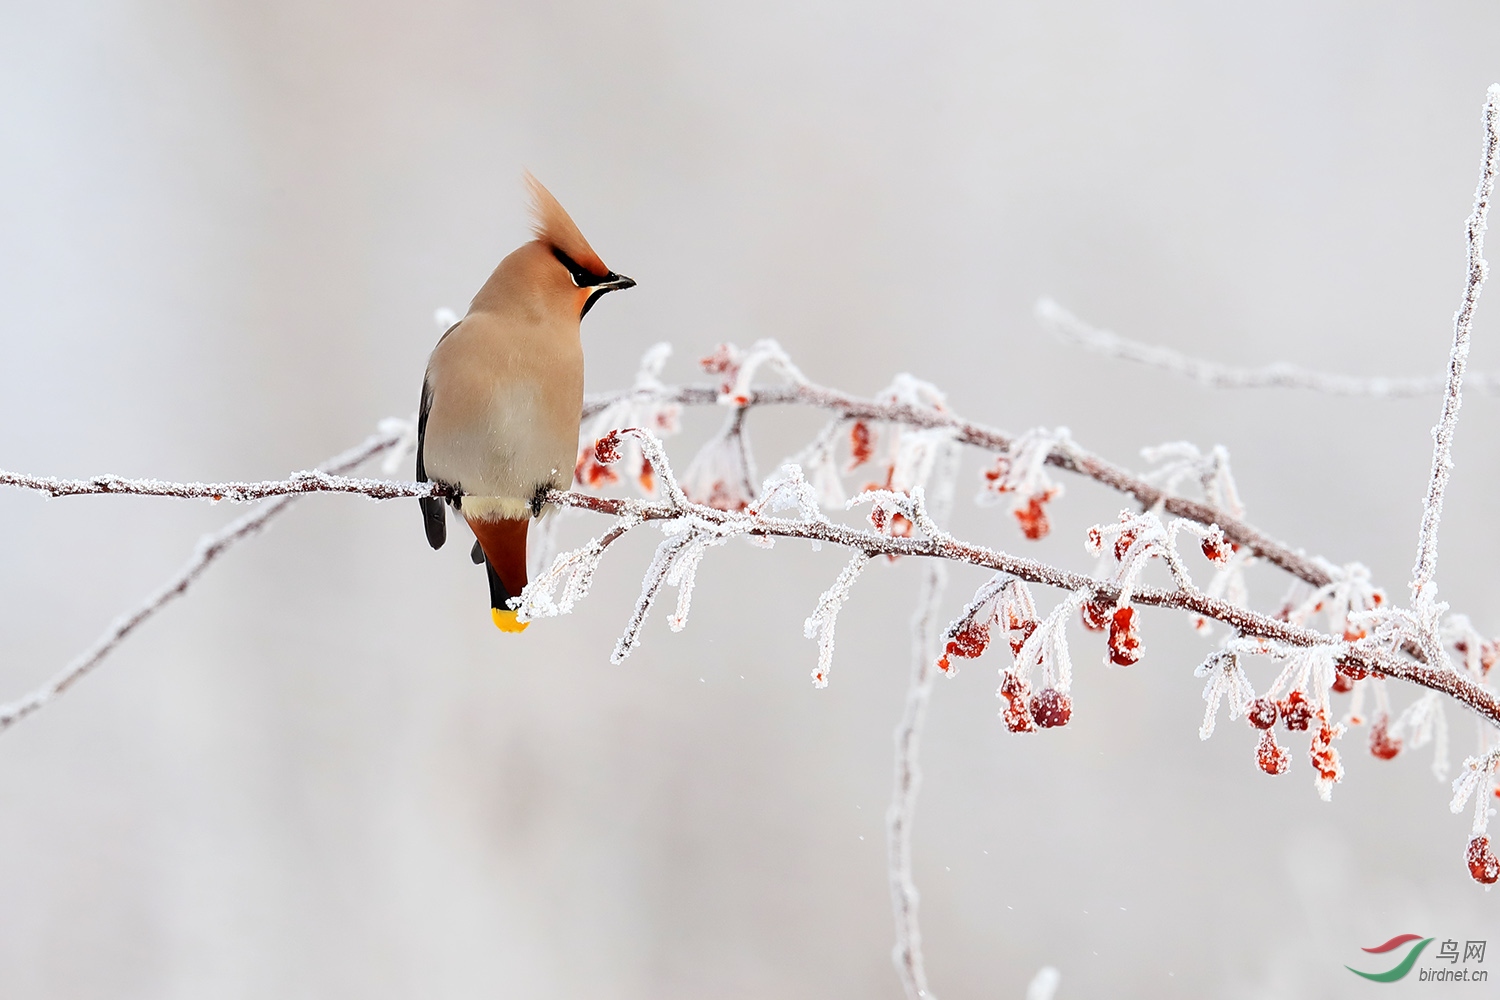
{"x":503,"y":542}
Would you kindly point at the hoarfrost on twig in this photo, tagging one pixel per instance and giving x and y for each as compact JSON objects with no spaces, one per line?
{"x":1423,"y":586}
{"x":1225,"y":677}
{"x":820,"y":624}
{"x":1075,"y":331}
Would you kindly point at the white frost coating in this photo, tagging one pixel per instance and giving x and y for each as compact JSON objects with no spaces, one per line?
{"x":1178,"y":462}
{"x":1043,"y":985}
{"x":820,"y":464}
{"x":899,"y":817}
{"x":722,"y":474}
{"x":1228,"y":584}
{"x":571,"y":571}
{"x":1423,"y":722}
{"x":1346,"y":600}
{"x":1423,"y":586}
{"x":821,"y":623}
{"x":788,"y":489}
{"x":650,"y":586}
{"x":209,"y":548}
{"x":1047,"y":646}
{"x":1002,"y":603}
{"x":1308,"y":669}
{"x":908,"y":390}
{"x":643,"y":406}
{"x":1135,"y":539}
{"x":1022,"y":470}
{"x":738,"y":368}
{"x":1075,"y":331}
{"x":1478,"y":774}
{"x":1225,"y":677}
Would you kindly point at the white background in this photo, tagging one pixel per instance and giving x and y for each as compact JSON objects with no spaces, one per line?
{"x":223,"y":232}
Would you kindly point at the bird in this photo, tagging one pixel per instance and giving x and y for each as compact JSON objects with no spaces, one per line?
{"x":502,"y":398}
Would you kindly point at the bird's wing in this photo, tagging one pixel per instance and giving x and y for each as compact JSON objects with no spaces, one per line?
{"x":433,"y":518}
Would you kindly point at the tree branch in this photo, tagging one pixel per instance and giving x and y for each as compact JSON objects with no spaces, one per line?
{"x":210,"y":547}
{"x":1422,"y":585}
{"x":1072,"y":330}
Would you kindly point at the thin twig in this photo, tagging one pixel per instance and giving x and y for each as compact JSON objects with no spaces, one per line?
{"x":900,"y":816}
{"x":1422,"y":588}
{"x":210,"y":548}
{"x":925,"y":630}
{"x":1075,"y":331}
{"x":316,"y":481}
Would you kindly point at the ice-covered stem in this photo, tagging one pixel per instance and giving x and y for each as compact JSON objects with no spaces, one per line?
{"x":1075,"y":331}
{"x":210,"y":547}
{"x":1422,"y":583}
{"x":951,"y":549}
{"x":907,"y":953}
{"x":899,"y":816}
{"x":322,"y":480}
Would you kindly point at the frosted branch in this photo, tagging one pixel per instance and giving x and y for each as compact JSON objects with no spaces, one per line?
{"x":1072,"y":330}
{"x":210,"y":548}
{"x":1423,"y":587}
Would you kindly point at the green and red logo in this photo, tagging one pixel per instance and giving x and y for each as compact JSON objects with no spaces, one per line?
{"x":1402,"y":967}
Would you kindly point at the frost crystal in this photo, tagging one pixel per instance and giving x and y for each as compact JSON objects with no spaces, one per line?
{"x":820,"y":624}
{"x":1421,"y":723}
{"x":571,"y":573}
{"x":1004,"y":603}
{"x":1305,"y":682}
{"x":722,"y":474}
{"x":1022,"y":470}
{"x":1345,"y":601}
{"x":1179,"y":462}
{"x":1044,"y":648}
{"x":736,"y":369}
{"x":641,"y":407}
{"x":1225,"y":677}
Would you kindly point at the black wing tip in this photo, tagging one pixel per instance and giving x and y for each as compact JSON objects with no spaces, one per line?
{"x":434,"y":521}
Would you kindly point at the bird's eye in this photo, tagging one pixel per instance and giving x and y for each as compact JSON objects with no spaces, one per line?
{"x":581,"y":278}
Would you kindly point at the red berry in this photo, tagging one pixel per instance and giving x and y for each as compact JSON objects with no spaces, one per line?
{"x":1051,"y":707}
{"x":1483,"y":865}
{"x":1124,"y":644}
{"x":607,"y":448}
{"x":1095,"y":616}
{"x":1262,"y":713}
{"x":1033,"y":517}
{"x":861,"y":444}
{"x":970,"y":640}
{"x":1017,"y":716}
{"x":1382,"y":745}
{"x":1270,"y":757}
{"x":1296,"y":713}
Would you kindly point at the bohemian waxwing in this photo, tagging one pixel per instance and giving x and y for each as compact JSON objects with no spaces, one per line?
{"x":503,"y":396}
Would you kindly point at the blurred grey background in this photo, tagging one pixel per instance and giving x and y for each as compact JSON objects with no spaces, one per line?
{"x":224,"y":229}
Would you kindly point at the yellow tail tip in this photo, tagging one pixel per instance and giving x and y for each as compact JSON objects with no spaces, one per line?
{"x":505,"y":621}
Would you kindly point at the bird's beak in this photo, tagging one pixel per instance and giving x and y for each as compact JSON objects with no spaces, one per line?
{"x":612,"y":282}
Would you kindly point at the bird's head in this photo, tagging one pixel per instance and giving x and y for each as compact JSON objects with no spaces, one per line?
{"x":570,"y":267}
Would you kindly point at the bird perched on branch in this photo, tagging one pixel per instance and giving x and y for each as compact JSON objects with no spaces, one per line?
{"x":503,"y":397}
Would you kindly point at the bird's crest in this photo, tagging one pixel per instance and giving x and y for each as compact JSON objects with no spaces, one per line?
{"x":554,"y":227}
